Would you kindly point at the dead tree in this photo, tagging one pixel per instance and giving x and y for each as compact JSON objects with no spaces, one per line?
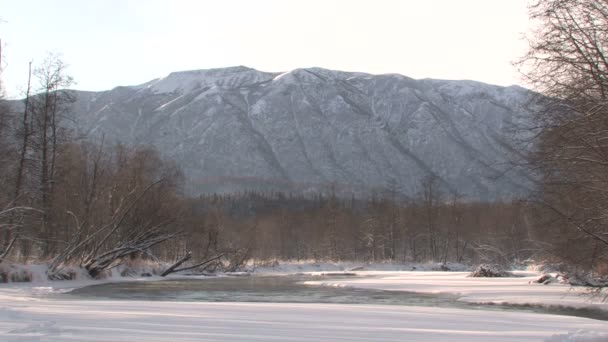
{"x":107,"y":246}
{"x":175,"y":267}
{"x":138,"y":243}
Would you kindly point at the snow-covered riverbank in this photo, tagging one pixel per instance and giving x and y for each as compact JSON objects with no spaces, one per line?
{"x":27,"y":314}
{"x":512,"y":290}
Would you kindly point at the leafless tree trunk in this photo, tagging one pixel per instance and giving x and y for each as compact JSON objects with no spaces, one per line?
{"x":46,"y":106}
{"x":25,"y":139}
{"x":430,"y":197}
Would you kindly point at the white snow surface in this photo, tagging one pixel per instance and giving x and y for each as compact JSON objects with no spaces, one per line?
{"x":511,"y":290}
{"x":27,"y":313}
{"x":310,"y":266}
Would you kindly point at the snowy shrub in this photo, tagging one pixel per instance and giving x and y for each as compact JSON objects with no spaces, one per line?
{"x":21,"y":276}
{"x":13,"y":274}
{"x":489,"y":271}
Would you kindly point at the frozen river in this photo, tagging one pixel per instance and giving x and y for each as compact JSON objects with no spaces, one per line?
{"x":377,"y":306}
{"x":293,"y":289}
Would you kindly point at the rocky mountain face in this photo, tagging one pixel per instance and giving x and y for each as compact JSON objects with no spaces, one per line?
{"x":314,"y":129}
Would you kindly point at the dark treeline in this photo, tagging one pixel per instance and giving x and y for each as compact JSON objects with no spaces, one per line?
{"x":283,"y":226}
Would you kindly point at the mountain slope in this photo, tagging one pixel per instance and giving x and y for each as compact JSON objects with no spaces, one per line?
{"x":239,"y":128}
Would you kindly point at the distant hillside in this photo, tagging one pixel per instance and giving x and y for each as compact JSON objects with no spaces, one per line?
{"x":238,"y":128}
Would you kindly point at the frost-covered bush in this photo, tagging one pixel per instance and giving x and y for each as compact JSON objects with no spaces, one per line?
{"x":489,"y":271}
{"x":14,"y":274}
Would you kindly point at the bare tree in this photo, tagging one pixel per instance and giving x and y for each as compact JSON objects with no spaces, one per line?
{"x":47,"y":109}
{"x":568,"y":65}
{"x":431,"y":197}
{"x":25,"y":141}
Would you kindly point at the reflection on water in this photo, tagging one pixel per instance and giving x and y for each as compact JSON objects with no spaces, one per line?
{"x":289,"y":289}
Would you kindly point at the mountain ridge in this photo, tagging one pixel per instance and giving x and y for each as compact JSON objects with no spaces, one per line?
{"x":310,"y":127}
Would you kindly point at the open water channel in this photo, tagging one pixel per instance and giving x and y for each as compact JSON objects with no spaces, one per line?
{"x":291,"y":289}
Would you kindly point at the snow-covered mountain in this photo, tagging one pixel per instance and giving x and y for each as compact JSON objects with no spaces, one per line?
{"x":238,"y":128}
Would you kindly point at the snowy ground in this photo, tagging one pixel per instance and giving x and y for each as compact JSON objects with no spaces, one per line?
{"x":308,"y":266}
{"x":27,"y":314}
{"x":517,"y":290}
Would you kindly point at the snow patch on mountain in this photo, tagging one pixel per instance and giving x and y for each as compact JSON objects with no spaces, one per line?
{"x":187,"y":81}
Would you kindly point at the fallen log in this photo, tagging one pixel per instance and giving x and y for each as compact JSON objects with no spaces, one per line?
{"x":174,"y":267}
{"x":178,"y":263}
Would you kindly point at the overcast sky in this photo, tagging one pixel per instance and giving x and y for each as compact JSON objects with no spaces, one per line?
{"x":108,"y":43}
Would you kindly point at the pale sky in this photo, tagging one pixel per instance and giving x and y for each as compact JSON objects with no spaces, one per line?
{"x":108,"y":43}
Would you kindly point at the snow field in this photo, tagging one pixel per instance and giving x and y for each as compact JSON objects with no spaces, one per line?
{"x":27,"y":313}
